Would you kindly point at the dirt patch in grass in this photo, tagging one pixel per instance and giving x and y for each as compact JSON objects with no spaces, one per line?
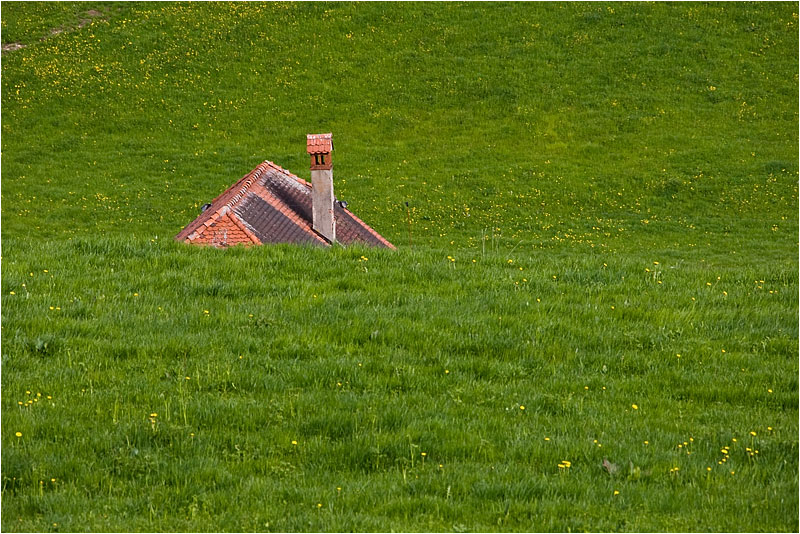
{"x":9,"y":47}
{"x":82,"y":22}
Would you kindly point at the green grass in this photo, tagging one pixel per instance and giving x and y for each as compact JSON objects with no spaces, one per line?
{"x":595,"y":190}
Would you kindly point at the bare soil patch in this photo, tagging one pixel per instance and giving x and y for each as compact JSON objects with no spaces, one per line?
{"x":8,"y":47}
{"x":92,"y":14}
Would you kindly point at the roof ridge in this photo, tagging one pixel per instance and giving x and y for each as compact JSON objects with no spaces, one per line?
{"x":244,"y":227}
{"x":208,"y":217}
{"x":255,"y":174}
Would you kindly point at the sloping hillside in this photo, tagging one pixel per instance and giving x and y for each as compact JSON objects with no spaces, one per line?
{"x":590,"y":322}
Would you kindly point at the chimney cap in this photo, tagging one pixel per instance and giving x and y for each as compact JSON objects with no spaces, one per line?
{"x":319,"y":143}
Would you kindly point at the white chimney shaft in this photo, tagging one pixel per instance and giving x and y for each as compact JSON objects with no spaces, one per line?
{"x":322,"y":202}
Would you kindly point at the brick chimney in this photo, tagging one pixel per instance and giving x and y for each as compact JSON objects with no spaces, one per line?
{"x":319,"y":148}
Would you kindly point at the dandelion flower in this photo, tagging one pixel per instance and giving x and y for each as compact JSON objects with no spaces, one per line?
{"x":634,"y":407}
{"x":521,"y":407}
{"x":616,"y":492}
{"x":294,"y":442}
{"x":18,"y":434}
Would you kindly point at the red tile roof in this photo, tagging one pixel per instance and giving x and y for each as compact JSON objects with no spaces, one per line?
{"x":319,"y":143}
{"x":271,"y":205}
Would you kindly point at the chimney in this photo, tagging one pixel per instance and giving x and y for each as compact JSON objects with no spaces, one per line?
{"x":319,"y":148}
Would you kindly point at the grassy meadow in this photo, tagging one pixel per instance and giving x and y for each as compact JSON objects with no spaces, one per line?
{"x":590,"y":323}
